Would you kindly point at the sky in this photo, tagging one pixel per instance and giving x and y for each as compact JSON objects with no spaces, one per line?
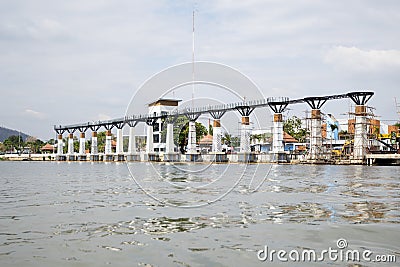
{"x":65,"y":62}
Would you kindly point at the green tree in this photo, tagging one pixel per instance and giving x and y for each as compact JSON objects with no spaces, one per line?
{"x":14,"y":142}
{"x":257,"y":137}
{"x":235,"y":141}
{"x":230,"y":140}
{"x":210,"y":130}
{"x":101,"y":141}
{"x":293,"y":126}
{"x":227,"y":139}
{"x":76,"y":145}
{"x":179,"y":124}
{"x":201,"y":131}
{"x":34,"y":144}
{"x":2,"y":147}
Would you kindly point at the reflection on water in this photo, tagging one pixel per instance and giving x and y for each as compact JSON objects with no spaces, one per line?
{"x":96,"y":214}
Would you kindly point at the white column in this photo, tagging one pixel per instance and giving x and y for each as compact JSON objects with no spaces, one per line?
{"x":245,"y":135}
{"x":70,"y":144}
{"x":120,"y":145}
{"x":169,"y":146}
{"x":217,"y":135}
{"x":149,"y":141}
{"x":191,"y":147}
{"x":59,"y":145}
{"x":132,"y":141}
{"x":277,"y":134}
{"x":360,"y":133}
{"x":82,"y":141}
{"x":315,"y":134}
{"x":107,"y":148}
{"x":94,"y":150}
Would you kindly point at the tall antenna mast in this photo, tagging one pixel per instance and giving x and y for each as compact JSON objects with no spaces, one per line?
{"x":193,"y":62}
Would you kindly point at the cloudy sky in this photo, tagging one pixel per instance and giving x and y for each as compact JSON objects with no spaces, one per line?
{"x":64,"y":62}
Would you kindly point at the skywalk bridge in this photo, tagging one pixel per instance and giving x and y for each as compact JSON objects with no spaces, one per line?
{"x":245,"y":108}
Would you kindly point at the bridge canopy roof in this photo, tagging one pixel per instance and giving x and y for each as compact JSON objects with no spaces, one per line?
{"x":165,"y":102}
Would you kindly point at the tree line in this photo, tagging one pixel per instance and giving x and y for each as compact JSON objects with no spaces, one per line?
{"x":15,"y":143}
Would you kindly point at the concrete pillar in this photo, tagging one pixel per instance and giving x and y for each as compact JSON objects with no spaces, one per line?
{"x":169,"y":146}
{"x":277,"y":134}
{"x":191,"y":147}
{"x":360,"y":133}
{"x":59,"y":145}
{"x":132,"y":141}
{"x":94,"y":150}
{"x":70,"y":144}
{"x":315,"y":134}
{"x":107,"y":148}
{"x":82,"y":141}
{"x":245,"y":135}
{"x":217,"y":135}
{"x":120,"y":145}
{"x":149,"y":141}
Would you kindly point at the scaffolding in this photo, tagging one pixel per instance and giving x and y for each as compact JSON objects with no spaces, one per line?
{"x":362,"y":131}
{"x":313,"y":122}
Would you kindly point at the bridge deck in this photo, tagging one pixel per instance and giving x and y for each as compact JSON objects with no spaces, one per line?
{"x":108,"y":124}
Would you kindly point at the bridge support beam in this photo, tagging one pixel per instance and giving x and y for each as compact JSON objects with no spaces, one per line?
{"x":149,"y":140}
{"x":132,"y":153}
{"x":217,"y":136}
{"x":107,"y":148}
{"x":169,"y":146}
{"x":277,"y":134}
{"x":360,"y":133}
{"x":360,"y":129}
{"x":70,"y":153}
{"x":278,"y":106}
{"x":82,"y":147}
{"x":245,"y":154}
{"x":191,"y":153}
{"x":316,"y":151}
{"x":245,"y":135}
{"x":150,"y":154}
{"x":60,"y":154}
{"x":191,"y":147}
{"x":315,"y":135}
{"x":170,"y":155}
{"x":94,"y":152}
{"x":119,"y":149}
{"x":218,"y":155}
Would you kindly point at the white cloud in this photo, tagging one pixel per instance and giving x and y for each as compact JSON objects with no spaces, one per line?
{"x":356,"y":59}
{"x":34,"y":114}
{"x":103,"y":117}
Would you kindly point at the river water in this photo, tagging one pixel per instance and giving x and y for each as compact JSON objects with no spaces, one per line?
{"x":142,"y":214}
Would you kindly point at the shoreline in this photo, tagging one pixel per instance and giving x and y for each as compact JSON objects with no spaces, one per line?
{"x":389,"y":160}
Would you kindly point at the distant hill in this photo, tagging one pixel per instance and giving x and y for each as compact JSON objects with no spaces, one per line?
{"x":5,"y":133}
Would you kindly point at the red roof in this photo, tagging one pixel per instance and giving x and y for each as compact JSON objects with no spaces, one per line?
{"x":47,"y":147}
{"x":206,"y":140}
{"x":288,"y":138}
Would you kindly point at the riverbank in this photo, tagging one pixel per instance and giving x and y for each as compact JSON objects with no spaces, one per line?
{"x":27,"y":157}
{"x":371,"y":159}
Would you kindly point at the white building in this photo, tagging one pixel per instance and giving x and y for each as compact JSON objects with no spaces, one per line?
{"x":157,"y":108}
